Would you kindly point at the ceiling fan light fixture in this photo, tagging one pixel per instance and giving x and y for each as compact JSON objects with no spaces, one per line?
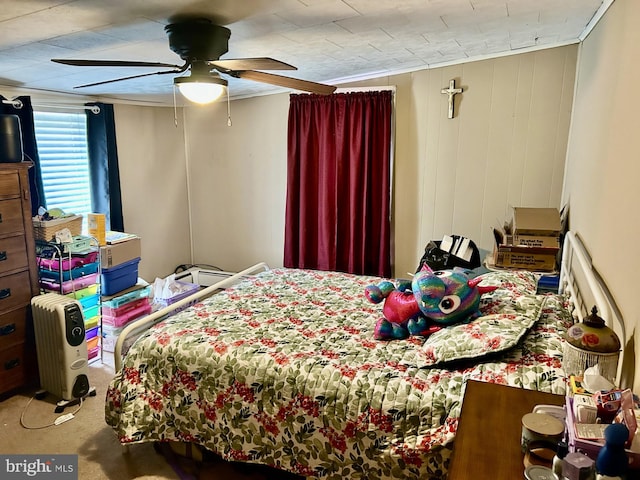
{"x":201,"y":89}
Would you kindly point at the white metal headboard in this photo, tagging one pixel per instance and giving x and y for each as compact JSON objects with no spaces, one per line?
{"x":586,"y":288}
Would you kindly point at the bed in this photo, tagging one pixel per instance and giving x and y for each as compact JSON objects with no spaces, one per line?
{"x":282,"y":369}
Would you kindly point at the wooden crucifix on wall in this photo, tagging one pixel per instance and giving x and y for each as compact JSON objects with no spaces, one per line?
{"x":451,"y":92}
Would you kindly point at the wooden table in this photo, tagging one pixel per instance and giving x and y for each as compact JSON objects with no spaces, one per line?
{"x":487,"y":443}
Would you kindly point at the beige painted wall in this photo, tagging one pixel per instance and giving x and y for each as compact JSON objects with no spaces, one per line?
{"x":505,"y":147}
{"x":602,"y":169}
{"x":154,"y":187}
{"x":237,"y":181}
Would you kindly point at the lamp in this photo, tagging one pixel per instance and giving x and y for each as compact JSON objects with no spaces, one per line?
{"x":201,"y":89}
{"x":589,"y":343}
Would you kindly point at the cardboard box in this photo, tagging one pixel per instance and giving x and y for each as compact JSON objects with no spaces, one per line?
{"x":119,"y":253}
{"x":536,"y":221}
{"x":531,"y":241}
{"x":547,"y":241}
{"x":529,"y":258}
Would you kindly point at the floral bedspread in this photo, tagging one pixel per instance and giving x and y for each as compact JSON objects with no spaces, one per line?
{"x":283,"y":369}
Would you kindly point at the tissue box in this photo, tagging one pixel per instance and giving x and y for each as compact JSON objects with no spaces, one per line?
{"x":185,"y":289}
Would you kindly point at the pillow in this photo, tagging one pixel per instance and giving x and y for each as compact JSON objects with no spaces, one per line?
{"x":511,"y":286}
{"x":515,"y":281}
{"x":486,"y":335}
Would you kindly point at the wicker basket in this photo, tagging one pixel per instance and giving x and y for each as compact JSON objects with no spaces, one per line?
{"x":45,"y":230}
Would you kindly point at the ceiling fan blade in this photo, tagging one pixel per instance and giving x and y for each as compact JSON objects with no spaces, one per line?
{"x":111,"y":63}
{"x":126,"y":78}
{"x":288,"y":82}
{"x":260,"y":63}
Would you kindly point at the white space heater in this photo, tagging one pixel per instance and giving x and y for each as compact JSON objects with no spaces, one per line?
{"x":60,"y":343}
{"x":203,"y":277}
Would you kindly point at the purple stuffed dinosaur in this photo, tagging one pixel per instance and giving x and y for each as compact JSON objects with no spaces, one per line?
{"x":424,"y":305}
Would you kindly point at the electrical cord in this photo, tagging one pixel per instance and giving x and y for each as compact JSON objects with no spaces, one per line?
{"x":60,"y":419}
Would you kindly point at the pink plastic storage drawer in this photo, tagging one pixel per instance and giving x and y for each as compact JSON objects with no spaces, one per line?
{"x":68,"y":263}
{"x":93,"y":352}
{"x":71,"y":285}
{"x":127,"y":317}
{"x":67,"y":275}
{"x":123,"y":309}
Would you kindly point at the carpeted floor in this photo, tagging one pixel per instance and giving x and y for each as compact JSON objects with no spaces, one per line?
{"x":100,"y":456}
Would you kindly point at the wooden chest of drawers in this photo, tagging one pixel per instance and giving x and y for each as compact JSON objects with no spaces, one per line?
{"x":18,"y":279}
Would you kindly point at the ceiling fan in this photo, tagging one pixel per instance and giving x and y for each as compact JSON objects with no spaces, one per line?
{"x":201,"y":43}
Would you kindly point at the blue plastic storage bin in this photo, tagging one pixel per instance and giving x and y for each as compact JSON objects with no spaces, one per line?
{"x":88,"y":302}
{"x":120,"y":277}
{"x":91,"y":333}
{"x":67,"y":275}
{"x":127,"y":297}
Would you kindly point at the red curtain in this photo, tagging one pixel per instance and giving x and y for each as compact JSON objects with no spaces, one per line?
{"x":338,"y":183}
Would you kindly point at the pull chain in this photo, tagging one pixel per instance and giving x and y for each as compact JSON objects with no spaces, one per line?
{"x":175,"y":108}
{"x":228,"y":110}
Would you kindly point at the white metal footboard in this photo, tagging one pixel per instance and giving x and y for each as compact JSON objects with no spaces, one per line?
{"x":145,"y":322}
{"x":586,"y":288}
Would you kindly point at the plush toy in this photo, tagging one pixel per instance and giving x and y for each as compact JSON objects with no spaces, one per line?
{"x":424,"y":305}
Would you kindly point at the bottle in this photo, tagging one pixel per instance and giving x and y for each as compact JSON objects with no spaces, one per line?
{"x":561,"y":451}
{"x":612,"y":461}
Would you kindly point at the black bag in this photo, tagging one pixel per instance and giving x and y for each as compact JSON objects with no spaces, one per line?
{"x":438,"y":259}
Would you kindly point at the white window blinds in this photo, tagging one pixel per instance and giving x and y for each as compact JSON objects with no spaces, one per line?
{"x":62,"y":149}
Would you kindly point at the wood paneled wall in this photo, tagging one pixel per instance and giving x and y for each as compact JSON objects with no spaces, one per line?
{"x":505,"y":147}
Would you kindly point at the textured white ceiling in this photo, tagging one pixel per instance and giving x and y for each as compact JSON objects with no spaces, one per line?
{"x":330,"y":41}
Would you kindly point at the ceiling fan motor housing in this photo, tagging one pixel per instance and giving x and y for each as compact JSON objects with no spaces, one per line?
{"x":201,"y":43}
{"x":198,"y":39}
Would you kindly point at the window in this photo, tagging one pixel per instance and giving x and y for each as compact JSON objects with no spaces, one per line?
{"x":64,"y":161}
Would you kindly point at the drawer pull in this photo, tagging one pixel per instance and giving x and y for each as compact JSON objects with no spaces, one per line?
{"x":7,"y":329}
{"x":3,"y":255}
{"x":5,"y":293}
{"x":9,"y":364}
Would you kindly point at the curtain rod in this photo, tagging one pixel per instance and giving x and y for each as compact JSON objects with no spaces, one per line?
{"x":18,"y":105}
